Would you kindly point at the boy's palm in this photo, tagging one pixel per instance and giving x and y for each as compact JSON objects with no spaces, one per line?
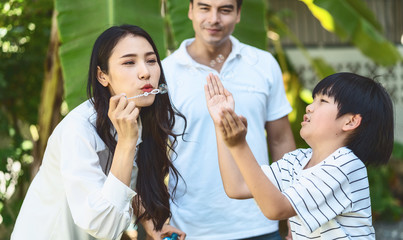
{"x":217,"y":102}
{"x":217,"y":97}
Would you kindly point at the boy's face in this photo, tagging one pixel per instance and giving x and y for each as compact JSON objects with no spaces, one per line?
{"x":320,"y":124}
{"x":214,"y":20}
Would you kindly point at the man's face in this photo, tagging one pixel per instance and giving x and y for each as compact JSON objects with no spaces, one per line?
{"x":214,"y":20}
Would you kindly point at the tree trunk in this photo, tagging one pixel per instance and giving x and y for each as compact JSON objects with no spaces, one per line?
{"x":51,"y":97}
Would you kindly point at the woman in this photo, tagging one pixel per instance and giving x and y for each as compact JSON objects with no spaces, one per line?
{"x":84,"y":188}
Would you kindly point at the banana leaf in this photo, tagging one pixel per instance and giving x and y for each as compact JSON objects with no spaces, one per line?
{"x":177,"y":15}
{"x":81,"y":22}
{"x":252,"y":29}
{"x":351,"y":20}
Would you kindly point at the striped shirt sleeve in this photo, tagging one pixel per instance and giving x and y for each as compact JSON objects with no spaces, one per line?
{"x":273,"y":173}
{"x":319,"y":195}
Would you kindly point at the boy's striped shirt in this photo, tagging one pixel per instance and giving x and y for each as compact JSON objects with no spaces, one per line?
{"x":331,"y":199}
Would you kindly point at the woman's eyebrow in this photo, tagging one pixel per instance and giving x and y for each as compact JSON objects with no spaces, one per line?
{"x":150,"y":53}
{"x":135,"y":55}
{"x":129,"y":55}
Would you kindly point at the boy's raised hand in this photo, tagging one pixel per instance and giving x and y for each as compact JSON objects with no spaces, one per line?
{"x":233,"y":127}
{"x":217,"y":98}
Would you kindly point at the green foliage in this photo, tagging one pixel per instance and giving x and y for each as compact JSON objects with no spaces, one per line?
{"x":277,"y":25}
{"x":77,"y":38}
{"x":23,"y":50}
{"x":386,"y":187}
{"x":177,"y":15}
{"x":351,"y":20}
{"x":321,"y":67}
{"x":252,"y":27}
{"x":24,"y":36}
{"x":398,"y":151}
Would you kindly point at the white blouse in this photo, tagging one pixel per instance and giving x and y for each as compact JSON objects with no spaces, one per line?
{"x":71,"y":197}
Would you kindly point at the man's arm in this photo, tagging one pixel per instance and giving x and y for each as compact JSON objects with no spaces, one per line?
{"x":280,"y":138}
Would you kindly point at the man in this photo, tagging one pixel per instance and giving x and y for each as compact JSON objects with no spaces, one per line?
{"x":201,"y":208}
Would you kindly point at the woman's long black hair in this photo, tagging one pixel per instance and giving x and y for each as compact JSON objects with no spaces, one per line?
{"x":158,"y":120}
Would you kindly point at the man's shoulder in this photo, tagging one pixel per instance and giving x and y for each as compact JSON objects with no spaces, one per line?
{"x":246,"y":47}
{"x":170,"y":58}
{"x":171,"y":64}
{"x":251,"y":54}
{"x":178,"y":54}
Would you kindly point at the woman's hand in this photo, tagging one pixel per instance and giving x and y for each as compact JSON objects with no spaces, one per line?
{"x":124,"y":114}
{"x":167,"y":231}
{"x":217,"y":97}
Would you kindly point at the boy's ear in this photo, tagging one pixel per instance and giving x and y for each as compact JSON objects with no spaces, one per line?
{"x":353,"y":121}
{"x":101,"y":77}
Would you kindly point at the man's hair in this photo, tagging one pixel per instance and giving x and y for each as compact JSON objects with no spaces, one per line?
{"x":238,"y":3}
{"x":372,"y":141}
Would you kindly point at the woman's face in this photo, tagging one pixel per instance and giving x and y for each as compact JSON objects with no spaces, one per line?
{"x":133,"y":70}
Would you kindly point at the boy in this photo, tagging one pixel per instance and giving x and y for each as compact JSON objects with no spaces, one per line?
{"x":324,"y":189}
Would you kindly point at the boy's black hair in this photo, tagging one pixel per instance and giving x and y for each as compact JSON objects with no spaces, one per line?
{"x":373,"y":140}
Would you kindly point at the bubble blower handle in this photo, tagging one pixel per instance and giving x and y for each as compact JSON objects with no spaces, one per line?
{"x":161,"y":90}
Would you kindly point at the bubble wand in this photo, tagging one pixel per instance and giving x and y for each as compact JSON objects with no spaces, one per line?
{"x":161,"y":90}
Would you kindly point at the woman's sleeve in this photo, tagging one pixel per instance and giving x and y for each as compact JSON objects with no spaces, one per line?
{"x":99,"y":204}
